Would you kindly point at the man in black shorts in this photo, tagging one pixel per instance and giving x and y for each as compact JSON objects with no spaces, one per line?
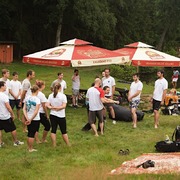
{"x":7,"y":117}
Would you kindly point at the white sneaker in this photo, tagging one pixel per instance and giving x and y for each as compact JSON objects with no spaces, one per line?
{"x":32,"y":150}
{"x":17,"y":143}
{"x":114,"y":122}
{"x":1,"y":144}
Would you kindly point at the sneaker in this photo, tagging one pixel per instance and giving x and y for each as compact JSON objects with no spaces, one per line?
{"x":32,"y":150}
{"x":114,"y":122}
{"x":1,"y":144}
{"x":17,"y":143}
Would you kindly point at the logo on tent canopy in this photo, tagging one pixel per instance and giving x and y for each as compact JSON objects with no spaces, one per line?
{"x":55,"y":53}
{"x":91,"y":53}
{"x":154,"y":55}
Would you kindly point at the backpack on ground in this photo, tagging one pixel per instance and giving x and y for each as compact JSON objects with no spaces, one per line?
{"x":170,"y":146}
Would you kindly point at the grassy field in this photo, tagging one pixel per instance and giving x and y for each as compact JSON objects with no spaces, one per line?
{"x":89,"y":157}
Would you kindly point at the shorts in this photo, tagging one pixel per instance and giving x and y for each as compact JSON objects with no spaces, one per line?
{"x":75,"y":92}
{"x":44,"y":121}
{"x":55,"y":121}
{"x":93,"y":115}
{"x":14,"y":102}
{"x":7,"y":125}
{"x":33,"y":128}
{"x":156,"y":104}
{"x":174,"y":79}
{"x":134,"y":104}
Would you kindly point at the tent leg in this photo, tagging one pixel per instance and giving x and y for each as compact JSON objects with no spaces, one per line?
{"x":137,"y":70}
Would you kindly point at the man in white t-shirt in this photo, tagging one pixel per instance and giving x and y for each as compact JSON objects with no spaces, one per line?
{"x":7,"y":116}
{"x":96,"y":97}
{"x":160,"y":89}
{"x":134,"y":97}
{"x":15,"y":93}
{"x":109,"y":81}
{"x":5,"y":76}
{"x":75,"y":88}
{"x":26,"y":91}
{"x":60,"y":81}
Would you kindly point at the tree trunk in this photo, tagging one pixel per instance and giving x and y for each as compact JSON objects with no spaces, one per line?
{"x":161,"y":41}
{"x":58,"y":32}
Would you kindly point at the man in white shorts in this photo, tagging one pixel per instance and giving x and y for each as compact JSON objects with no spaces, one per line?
{"x":75,"y":88}
{"x":60,"y":81}
{"x":160,"y":89}
{"x":134,"y":97}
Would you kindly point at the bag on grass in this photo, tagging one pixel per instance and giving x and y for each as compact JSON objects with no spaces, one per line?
{"x":163,"y":146}
{"x":176,"y":134}
{"x":170,"y":146}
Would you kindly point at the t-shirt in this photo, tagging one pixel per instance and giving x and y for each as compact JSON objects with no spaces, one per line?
{"x":56,"y":102}
{"x":4,"y":113}
{"x":94,"y":95}
{"x":160,"y":86}
{"x":26,"y":86}
{"x":43,"y":99}
{"x":62,"y":82}
{"x":110,"y":82}
{"x":76,"y":82}
{"x":31,"y":103}
{"x":135,"y":86}
{"x":175,"y":74}
{"x":15,"y":87}
{"x":7,"y":81}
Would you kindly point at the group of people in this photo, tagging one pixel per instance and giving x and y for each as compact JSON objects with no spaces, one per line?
{"x":35,"y":105}
{"x":99,"y":100}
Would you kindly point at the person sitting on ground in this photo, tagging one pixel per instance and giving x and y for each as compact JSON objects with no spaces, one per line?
{"x":109,"y":106}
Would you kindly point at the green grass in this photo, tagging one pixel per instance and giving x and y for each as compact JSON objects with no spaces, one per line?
{"x":88,"y":157}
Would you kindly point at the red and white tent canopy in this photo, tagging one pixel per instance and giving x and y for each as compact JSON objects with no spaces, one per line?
{"x":77,"y":52}
{"x":143,"y":55}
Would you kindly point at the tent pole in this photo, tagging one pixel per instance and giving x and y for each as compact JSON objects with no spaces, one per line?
{"x":137,"y":70}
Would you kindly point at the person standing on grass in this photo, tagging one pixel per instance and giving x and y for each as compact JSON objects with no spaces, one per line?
{"x":160,"y":89}
{"x":7,"y":117}
{"x":44,"y":116}
{"x":57,"y":102}
{"x":60,"y":81}
{"x":5,"y":76}
{"x":75,"y":88}
{"x":134,"y":97}
{"x":15,"y":93}
{"x":175,"y":77}
{"x":26,"y":91}
{"x":31,"y":114}
{"x":109,"y":81}
{"x":95,"y":97}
